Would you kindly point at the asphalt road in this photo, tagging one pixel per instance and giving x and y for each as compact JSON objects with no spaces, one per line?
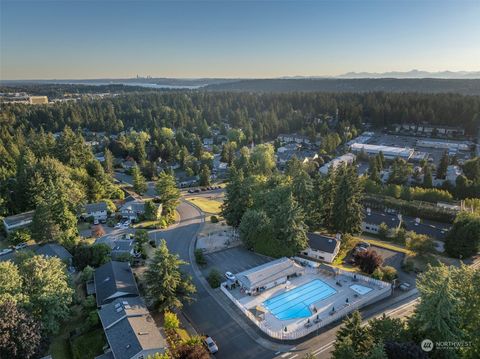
{"x":206,"y":315}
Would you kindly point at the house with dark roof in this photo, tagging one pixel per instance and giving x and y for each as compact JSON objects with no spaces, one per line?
{"x":21,"y":220}
{"x":98,"y":211}
{"x":372,"y":220}
{"x":114,"y":280}
{"x":48,"y":250}
{"x":321,"y":247}
{"x":55,"y":250}
{"x":269,"y":275}
{"x":130,"y":330}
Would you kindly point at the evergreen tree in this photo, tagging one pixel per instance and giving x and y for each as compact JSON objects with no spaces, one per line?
{"x":427,"y":177}
{"x":204,"y":176}
{"x":168,"y":193}
{"x":353,"y":334}
{"x":139,"y":182}
{"x":167,"y":287}
{"x":442,"y":167}
{"x":108,"y":163}
{"x":347,"y":212}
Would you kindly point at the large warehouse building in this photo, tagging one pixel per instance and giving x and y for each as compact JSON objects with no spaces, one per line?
{"x":389,"y":152}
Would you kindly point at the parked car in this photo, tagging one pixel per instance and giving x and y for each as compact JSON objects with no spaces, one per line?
{"x":96,"y":221}
{"x":363,"y":244}
{"x":405,"y":286}
{"x":21,"y":245}
{"x":211,"y":345}
{"x":230,"y":276}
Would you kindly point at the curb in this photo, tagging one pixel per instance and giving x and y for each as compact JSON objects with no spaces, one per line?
{"x":249,"y":331}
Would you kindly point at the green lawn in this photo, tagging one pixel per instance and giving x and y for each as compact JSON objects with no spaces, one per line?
{"x":88,"y":345}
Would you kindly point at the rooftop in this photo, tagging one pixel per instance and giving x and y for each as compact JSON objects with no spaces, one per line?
{"x":114,"y":279}
{"x":322,"y":243}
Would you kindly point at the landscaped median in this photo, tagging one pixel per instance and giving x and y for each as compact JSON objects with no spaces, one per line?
{"x":207,"y":205}
{"x":388,"y":245}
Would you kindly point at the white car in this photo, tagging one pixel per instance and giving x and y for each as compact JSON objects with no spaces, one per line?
{"x":5,"y":251}
{"x":21,"y":245}
{"x":230,"y":276}
{"x":211,"y":345}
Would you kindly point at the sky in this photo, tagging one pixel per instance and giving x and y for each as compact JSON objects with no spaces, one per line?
{"x":81,"y":39}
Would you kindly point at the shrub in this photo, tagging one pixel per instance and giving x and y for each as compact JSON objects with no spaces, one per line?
{"x":199,"y":257}
{"x":368,"y":260}
{"x":214,"y":219}
{"x":171,"y":320}
{"x":214,"y":278}
{"x":378,"y":274}
{"x":419,"y":243}
{"x":19,"y":236}
{"x":389,"y":273}
{"x":87,"y":274}
{"x":383,"y":231}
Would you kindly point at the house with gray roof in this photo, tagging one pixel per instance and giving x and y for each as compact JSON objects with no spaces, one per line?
{"x":130,"y":330}
{"x":21,"y":220}
{"x":114,"y":280}
{"x":321,"y":247}
{"x":119,"y":247}
{"x":269,"y":275}
{"x":55,"y":250}
{"x":48,"y":250}
{"x":98,"y":211}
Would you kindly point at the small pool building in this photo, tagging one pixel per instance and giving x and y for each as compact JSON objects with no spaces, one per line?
{"x":269,"y":275}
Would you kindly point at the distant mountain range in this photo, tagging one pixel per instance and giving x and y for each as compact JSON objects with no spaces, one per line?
{"x":413,"y":74}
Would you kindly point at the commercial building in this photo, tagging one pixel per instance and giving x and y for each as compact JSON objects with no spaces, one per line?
{"x":269,"y":275}
{"x":38,"y":100}
{"x":321,"y":247}
{"x":446,"y":145}
{"x":345,"y":159}
{"x":389,"y":152}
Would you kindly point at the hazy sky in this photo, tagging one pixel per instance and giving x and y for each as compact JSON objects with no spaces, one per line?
{"x":75,"y":39}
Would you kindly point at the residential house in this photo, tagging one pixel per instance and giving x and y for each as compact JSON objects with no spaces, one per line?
{"x":324,"y":248}
{"x":130,"y":330}
{"x":114,"y":280}
{"x":98,"y":211}
{"x":188,"y":181}
{"x":48,"y":250}
{"x":120,"y":247}
{"x":269,"y":275}
{"x":373,"y":219}
{"x":133,"y":208}
{"x":55,"y":250}
{"x":21,"y":220}
{"x":433,"y":229}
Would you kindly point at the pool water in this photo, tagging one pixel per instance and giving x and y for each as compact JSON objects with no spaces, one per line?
{"x":296,"y":302}
{"x":360,"y":289}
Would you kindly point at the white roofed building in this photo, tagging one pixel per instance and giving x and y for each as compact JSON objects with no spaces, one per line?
{"x":389,"y":152}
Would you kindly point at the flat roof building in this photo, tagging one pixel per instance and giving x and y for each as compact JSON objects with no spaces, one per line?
{"x":269,"y":275}
{"x":347,"y":158}
{"x":389,"y":152}
{"x":18,"y":221}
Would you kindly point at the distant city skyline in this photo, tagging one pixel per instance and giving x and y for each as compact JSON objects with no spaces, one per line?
{"x":234,"y":39}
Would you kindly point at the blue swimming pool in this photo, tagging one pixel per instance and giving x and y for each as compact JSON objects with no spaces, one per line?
{"x":296,"y":302}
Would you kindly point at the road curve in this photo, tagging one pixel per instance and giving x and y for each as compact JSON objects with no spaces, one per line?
{"x":206,"y":315}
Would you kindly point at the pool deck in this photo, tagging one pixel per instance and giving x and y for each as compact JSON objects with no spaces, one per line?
{"x":324,"y":307}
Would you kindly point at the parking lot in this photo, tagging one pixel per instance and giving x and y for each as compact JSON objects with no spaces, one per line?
{"x":233,"y":260}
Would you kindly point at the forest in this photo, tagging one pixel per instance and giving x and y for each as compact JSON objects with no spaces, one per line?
{"x":262,"y":116}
